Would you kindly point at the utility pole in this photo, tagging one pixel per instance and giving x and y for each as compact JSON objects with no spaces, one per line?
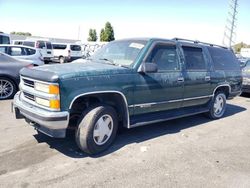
{"x":229,"y":33}
{"x":79,"y":30}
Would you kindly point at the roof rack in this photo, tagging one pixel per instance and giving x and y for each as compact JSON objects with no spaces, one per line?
{"x":198,"y":42}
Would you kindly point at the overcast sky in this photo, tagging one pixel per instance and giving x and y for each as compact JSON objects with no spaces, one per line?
{"x":200,"y":20}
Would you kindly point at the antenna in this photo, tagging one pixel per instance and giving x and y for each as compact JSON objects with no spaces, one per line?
{"x":229,"y":32}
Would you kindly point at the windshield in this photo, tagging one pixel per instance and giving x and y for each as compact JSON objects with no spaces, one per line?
{"x":122,"y":53}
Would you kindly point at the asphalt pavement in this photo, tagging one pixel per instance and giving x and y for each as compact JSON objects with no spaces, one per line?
{"x":187,"y":152}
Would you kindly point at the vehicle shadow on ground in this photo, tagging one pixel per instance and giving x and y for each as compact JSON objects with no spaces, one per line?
{"x":246,"y":95}
{"x":125,"y":137}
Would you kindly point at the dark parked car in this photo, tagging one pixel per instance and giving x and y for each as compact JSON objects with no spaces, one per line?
{"x":246,"y":77}
{"x":128,"y":83}
{"x":9,"y":75}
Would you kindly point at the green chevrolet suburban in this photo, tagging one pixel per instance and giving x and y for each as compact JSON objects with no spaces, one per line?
{"x":128,"y":83}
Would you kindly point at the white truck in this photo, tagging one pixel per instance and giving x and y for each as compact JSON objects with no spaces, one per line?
{"x":4,"y":38}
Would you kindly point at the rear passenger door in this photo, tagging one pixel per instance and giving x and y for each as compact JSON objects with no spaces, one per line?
{"x":197,"y":81}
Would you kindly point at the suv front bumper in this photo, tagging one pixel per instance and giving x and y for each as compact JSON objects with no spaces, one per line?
{"x":53,"y":124}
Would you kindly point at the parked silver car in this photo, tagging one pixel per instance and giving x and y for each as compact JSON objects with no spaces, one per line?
{"x":23,"y":52}
{"x":9,"y":75}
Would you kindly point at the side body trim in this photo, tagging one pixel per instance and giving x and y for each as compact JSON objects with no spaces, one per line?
{"x":165,"y":102}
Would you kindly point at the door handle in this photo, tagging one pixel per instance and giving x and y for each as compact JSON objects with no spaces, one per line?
{"x":180,"y":79}
{"x":207,"y":78}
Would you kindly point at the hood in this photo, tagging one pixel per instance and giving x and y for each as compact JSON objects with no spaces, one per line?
{"x":71,"y":70}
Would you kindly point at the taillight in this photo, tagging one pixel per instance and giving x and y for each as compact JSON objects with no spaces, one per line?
{"x":69,"y":53}
{"x":29,"y":66}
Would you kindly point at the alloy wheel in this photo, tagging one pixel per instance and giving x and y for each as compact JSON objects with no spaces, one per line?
{"x":6,"y":89}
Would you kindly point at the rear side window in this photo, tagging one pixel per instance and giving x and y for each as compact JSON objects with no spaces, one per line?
{"x":16,"y":51}
{"x":59,"y":46}
{"x":28,"y":43}
{"x":49,"y":46}
{"x":29,"y":51}
{"x":194,"y":58}
{"x":75,"y":47}
{"x":223,"y":59}
{"x":18,"y":42}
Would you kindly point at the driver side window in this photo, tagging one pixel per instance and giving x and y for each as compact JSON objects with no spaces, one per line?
{"x":165,"y":56}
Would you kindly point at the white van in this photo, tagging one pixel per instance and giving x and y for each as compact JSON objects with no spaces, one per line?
{"x":66,"y":52}
{"x":4,"y":38}
{"x":45,"y":47}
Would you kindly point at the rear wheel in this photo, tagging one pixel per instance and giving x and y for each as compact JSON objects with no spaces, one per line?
{"x":62,"y":60}
{"x":7,"y":88}
{"x":218,"y":106}
{"x":97,"y":129}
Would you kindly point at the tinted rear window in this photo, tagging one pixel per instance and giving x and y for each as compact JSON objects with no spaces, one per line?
{"x":28,"y":43}
{"x":4,"y":40}
{"x":75,"y":47}
{"x":29,"y":51}
{"x":49,"y":46}
{"x":41,"y":44}
{"x":223,"y":59}
{"x":59,"y":46}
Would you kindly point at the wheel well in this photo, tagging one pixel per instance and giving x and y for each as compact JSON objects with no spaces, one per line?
{"x":115,"y":100}
{"x":224,"y":89}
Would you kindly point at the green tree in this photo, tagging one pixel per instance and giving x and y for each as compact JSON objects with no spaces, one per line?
{"x":102,"y":37}
{"x":107,"y":34}
{"x":92,"y":35}
{"x":21,"y":33}
{"x":237,"y":47}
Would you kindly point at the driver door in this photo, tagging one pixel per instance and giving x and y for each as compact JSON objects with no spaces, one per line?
{"x":162,"y":90}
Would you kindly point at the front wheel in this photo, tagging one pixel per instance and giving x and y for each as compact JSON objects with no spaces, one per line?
{"x":97,"y":129}
{"x":7,"y":88}
{"x":218,"y":106}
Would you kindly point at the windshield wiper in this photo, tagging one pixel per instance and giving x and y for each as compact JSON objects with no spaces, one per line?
{"x":111,"y":62}
{"x":108,"y":60}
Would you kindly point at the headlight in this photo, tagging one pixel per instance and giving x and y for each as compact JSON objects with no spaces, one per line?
{"x":46,"y":88}
{"x":50,"y":103}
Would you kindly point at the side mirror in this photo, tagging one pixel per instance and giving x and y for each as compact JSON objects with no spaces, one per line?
{"x":148,"y":68}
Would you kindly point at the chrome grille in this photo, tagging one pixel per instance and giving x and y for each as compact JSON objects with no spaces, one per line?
{"x":29,"y":96}
{"x":27,"y":82}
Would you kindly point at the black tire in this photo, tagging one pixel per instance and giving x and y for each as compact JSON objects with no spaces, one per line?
{"x":87,"y":124}
{"x":62,"y":60}
{"x":12,"y":88}
{"x":215,"y":113}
